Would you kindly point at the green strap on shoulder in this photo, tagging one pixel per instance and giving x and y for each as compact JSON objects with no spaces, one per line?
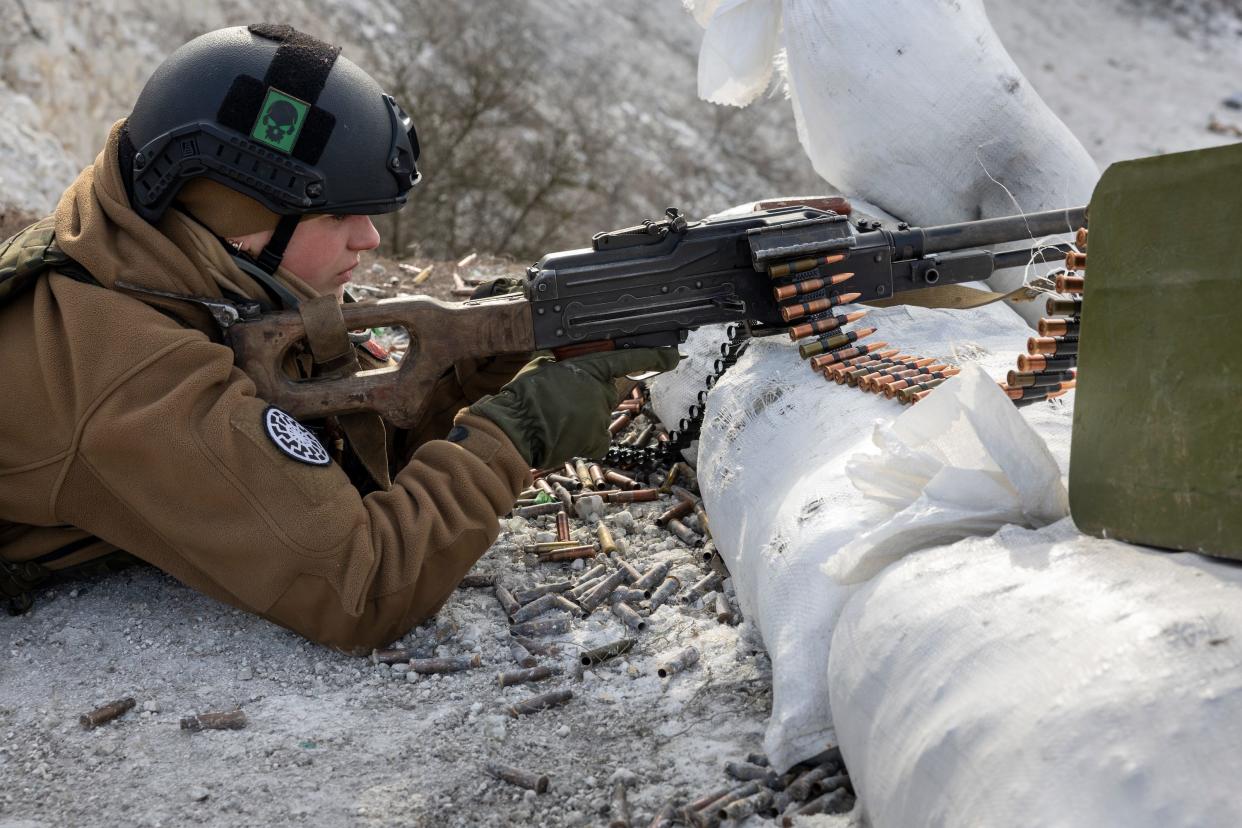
{"x":28,"y":254}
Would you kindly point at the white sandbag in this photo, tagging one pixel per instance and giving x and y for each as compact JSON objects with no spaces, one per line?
{"x":1042,"y":678}
{"x":914,"y":105}
{"x":772,"y":472}
{"x":962,"y":463}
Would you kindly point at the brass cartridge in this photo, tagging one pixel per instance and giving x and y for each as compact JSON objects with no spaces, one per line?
{"x":599,"y":655}
{"x":527,"y":595}
{"x":781,"y":271}
{"x":1070,"y":284}
{"x":597,"y":476}
{"x":583,"y":474}
{"x":476,"y":580}
{"x":831,"y":342}
{"x":679,"y":661}
{"x":106,"y":713}
{"x":571,"y":483}
{"x":536,"y":608}
{"x":621,"y":481}
{"x":393,"y":655}
{"x":849,"y":354}
{"x":1020,"y":379}
{"x":830,"y":803}
{"x":453,"y":664}
{"x":537,"y":647}
{"x":562,"y":526}
{"x":746,"y":772}
{"x":620,"y":423}
{"x":823,"y":326}
{"x":1075,"y":261}
{"x":537,"y":782}
{"x":632,"y":496}
{"x":521,"y":656}
{"x":1063,"y":307}
{"x":1059,"y":327}
{"x":1039,"y":364}
{"x":607,"y":545}
{"x":1052,"y":345}
{"x":743,"y":808}
{"x":724,"y":612}
{"x":226,"y":720}
{"x":547,"y":546}
{"x":1080,"y":239}
{"x":526,"y":676}
{"x":597,"y":595}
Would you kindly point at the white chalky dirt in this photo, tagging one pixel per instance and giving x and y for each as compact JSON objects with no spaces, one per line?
{"x":334,"y":740}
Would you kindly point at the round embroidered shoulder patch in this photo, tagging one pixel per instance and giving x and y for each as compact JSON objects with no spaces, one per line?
{"x":293,"y":438}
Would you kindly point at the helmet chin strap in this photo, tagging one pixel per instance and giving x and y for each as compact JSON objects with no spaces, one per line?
{"x":269,"y":258}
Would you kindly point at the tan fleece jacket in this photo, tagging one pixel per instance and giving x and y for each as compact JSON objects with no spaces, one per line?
{"x":118,"y":422}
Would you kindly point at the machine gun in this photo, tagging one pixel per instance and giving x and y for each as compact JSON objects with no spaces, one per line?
{"x":644,"y":286}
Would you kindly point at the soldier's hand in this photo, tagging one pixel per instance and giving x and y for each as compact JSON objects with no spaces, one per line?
{"x":553,"y":411}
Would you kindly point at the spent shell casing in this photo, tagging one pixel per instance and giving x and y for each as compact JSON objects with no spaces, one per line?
{"x":724,"y":611}
{"x":632,"y":575}
{"x":1052,"y":345}
{"x":1080,"y":239}
{"x":585,"y":587}
{"x":521,"y":656}
{"x":597,"y":476}
{"x":583,"y":473}
{"x":563,"y":496}
{"x":621,"y":423}
{"x":746,"y":772}
{"x":1026,"y":379}
{"x":1070,"y":284}
{"x":831,"y":342}
{"x":781,"y":271}
{"x":569,"y":553}
{"x":800,"y":789}
{"x":537,"y":782}
{"x":597,"y":571}
{"x":628,"y":596}
{"x":597,"y":595}
{"x":757,"y":759}
{"x":1075,"y":261}
{"x":700,"y":514}
{"x":628,"y":616}
{"x":607,"y":545}
{"x":527,"y":595}
{"x":619,"y":811}
{"x":651,"y":578}
{"x":544,"y":486}
{"x":620,"y":480}
{"x":536,"y":703}
{"x":563,"y":603}
{"x":225,"y":720}
{"x":507,"y":602}
{"x":742,"y":808}
{"x":678,"y":510}
{"x":562,"y":526}
{"x":106,"y":713}
{"x":548,"y":546}
{"x":537,"y":510}
{"x":394,"y":655}
{"x":830,"y":803}
{"x":666,"y":817}
{"x":1064,"y":307}
{"x":677,"y":662}
{"x":827,"y":324}
{"x":537,"y":647}
{"x":453,"y":664}
{"x":571,"y":483}
{"x":536,"y":608}
{"x":544,"y":626}
{"x":684,"y":533}
{"x":599,"y":655}
{"x":643,"y":437}
{"x":665,"y":591}
{"x":477,"y":580}
{"x":684,"y":494}
{"x":526,"y":676}
{"x":703,"y":586}
{"x":632,"y":496}
{"x":1039,"y":364}
{"x":710,"y":799}
{"x":716,"y":808}
{"x":1064,"y":326}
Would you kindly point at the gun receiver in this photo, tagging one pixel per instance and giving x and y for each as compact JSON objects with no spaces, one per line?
{"x":643,"y":286}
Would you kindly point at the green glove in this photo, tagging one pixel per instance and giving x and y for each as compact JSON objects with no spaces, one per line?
{"x":553,"y":411}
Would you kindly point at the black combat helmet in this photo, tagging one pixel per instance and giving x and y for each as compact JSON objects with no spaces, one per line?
{"x":276,"y":115}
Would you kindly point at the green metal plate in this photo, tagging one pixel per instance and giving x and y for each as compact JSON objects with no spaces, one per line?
{"x":1156,"y":456}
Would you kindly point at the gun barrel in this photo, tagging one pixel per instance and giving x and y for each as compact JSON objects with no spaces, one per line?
{"x":988,"y":232}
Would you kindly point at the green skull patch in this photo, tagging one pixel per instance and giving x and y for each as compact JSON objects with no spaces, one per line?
{"x":280,"y":120}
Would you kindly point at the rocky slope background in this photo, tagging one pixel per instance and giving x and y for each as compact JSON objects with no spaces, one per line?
{"x":543,"y":122}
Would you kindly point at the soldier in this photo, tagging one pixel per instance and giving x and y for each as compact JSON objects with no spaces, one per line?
{"x":247,"y":173}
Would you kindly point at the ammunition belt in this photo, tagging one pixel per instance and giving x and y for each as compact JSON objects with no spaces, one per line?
{"x":688,"y":428}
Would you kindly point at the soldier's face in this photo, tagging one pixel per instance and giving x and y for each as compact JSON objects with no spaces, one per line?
{"x":323,"y":251}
